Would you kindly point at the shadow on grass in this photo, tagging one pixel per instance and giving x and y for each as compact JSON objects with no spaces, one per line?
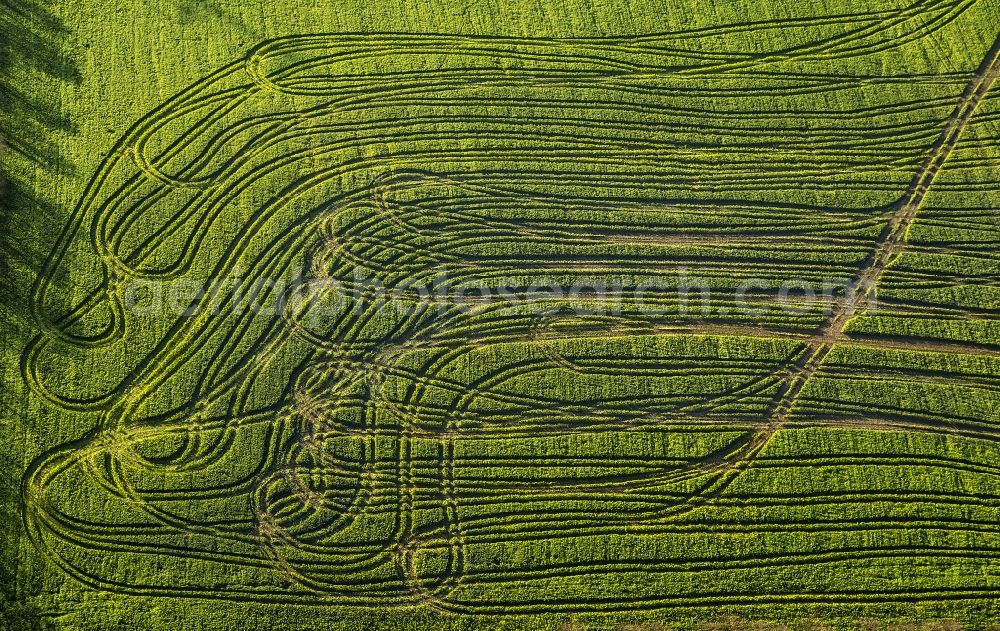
{"x":32,"y":69}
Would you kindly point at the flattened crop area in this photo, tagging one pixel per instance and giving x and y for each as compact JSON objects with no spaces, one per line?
{"x":539,"y":325}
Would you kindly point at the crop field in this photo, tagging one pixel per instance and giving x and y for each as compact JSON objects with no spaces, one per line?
{"x":480,"y":315}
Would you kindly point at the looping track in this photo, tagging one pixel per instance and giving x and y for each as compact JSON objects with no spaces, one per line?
{"x":515,"y":456}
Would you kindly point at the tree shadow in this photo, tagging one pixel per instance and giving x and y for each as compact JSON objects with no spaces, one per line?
{"x":32,"y":70}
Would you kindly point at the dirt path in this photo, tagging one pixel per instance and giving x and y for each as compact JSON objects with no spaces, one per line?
{"x":728,"y":465}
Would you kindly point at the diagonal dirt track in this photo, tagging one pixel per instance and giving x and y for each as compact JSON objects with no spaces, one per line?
{"x":728,"y":465}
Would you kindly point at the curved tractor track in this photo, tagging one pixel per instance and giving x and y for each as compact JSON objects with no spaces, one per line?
{"x":449,"y":449}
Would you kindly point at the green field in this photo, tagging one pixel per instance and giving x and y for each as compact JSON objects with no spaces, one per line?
{"x":500,"y":315}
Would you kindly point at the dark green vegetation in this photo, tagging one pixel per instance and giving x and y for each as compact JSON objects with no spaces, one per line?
{"x":746,"y":360}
